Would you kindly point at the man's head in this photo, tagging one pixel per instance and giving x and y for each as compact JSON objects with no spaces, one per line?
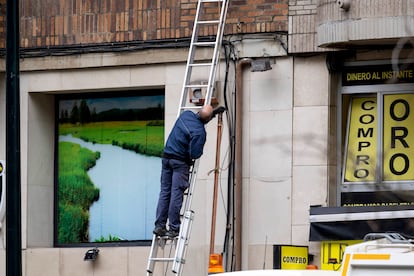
{"x":206,"y":113}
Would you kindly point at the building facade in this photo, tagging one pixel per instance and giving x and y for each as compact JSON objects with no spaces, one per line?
{"x":325,"y":134}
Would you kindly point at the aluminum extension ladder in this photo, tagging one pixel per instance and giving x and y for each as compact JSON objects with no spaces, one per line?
{"x":204,"y":21}
{"x":177,"y":245}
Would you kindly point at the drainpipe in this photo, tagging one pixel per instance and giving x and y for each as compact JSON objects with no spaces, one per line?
{"x":239,"y":161}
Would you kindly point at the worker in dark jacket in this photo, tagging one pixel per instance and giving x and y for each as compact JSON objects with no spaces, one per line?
{"x":184,"y":144}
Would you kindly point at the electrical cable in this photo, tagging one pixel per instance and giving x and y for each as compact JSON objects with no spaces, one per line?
{"x":109,"y":47}
{"x":230,"y":125}
{"x":229,"y":234}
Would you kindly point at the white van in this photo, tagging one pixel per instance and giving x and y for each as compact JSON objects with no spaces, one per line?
{"x":382,"y":254}
{"x":279,"y":272}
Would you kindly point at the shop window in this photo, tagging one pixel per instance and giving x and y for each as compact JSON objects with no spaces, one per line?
{"x":108,"y":163}
{"x":375,"y":156}
{"x":378,"y":159}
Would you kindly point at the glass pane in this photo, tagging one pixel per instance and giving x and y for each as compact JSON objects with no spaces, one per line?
{"x":398,"y":149}
{"x":361,"y":150}
{"x":109,"y":157}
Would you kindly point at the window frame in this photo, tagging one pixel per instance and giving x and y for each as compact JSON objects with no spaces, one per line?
{"x":95,"y":95}
{"x":346,"y":93}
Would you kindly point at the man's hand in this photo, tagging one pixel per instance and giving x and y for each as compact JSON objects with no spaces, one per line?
{"x":218,"y":110}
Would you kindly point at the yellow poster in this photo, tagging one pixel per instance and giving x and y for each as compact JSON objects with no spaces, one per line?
{"x":361,"y":152}
{"x":294,"y":257}
{"x":398,"y":142}
{"x":332,"y":253}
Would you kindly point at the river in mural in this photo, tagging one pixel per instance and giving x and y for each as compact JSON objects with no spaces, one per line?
{"x":129,"y":187}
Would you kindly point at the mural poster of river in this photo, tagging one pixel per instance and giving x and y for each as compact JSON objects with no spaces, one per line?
{"x":109,"y":165}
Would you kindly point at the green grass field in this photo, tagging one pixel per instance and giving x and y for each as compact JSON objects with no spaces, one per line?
{"x":76,"y":191}
{"x":145,"y":137}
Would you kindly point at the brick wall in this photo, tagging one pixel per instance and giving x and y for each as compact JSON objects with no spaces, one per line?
{"x":2,"y":22}
{"x":48,"y":23}
{"x":302,"y":26}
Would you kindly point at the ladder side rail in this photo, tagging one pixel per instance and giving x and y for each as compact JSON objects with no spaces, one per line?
{"x":216,"y":53}
{"x":182,"y":244}
{"x":193,"y":176}
{"x":191,"y":55}
{"x":153,"y":255}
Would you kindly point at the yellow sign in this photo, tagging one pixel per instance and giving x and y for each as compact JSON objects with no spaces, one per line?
{"x":332,"y":253}
{"x":398,"y":147}
{"x":397,"y":139}
{"x":361,"y":161}
{"x":290,"y":257}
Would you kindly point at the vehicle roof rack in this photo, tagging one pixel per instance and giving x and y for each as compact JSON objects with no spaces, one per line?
{"x":391,"y":237}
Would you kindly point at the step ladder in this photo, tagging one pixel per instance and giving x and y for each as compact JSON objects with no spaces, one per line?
{"x":210,"y":15}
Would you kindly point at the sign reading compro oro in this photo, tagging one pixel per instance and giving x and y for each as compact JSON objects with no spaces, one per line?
{"x":397,"y":136}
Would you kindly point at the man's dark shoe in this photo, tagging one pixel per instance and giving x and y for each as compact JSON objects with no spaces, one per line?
{"x":160,"y":231}
{"x":172,"y":234}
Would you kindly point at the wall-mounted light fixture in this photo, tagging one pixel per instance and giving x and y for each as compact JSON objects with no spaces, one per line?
{"x":344,"y":4}
{"x":260,"y":65}
{"x":91,"y":254}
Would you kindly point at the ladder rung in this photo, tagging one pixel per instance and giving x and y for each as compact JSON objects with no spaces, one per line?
{"x":204,"y":22}
{"x":162,"y":259}
{"x":210,"y":43}
{"x":196,"y":85}
{"x":200,"y":64}
{"x":191,"y":107}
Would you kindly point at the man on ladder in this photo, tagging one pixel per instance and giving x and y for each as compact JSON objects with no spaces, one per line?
{"x":182,"y":151}
{"x":184,"y":145}
{"x":179,"y":147}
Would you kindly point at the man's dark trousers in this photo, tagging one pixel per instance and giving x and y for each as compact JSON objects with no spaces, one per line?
{"x":174,"y":182}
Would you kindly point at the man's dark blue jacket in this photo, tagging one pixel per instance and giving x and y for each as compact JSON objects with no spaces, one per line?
{"x":187,"y":138}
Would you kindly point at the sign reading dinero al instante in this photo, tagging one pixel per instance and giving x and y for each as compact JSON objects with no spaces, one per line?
{"x":378,"y":74}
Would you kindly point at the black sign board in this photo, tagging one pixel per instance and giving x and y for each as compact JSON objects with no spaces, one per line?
{"x":378,"y":74}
